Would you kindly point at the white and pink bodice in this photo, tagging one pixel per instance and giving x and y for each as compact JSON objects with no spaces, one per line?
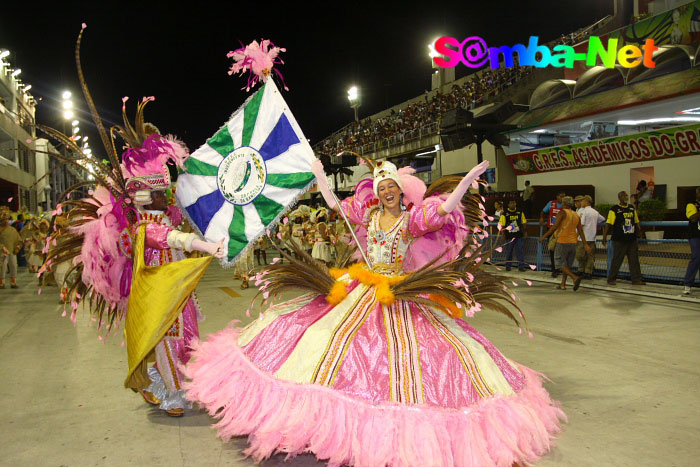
{"x":387,"y":247}
{"x":394,"y":247}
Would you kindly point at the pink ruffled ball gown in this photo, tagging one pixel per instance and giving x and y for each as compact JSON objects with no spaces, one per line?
{"x":367,"y":384}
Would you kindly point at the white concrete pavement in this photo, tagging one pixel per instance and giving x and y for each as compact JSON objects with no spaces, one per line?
{"x":625,"y":368}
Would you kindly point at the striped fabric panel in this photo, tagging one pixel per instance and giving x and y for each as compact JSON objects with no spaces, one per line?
{"x":342,"y":336}
{"x":405,"y":374}
{"x":465,"y":356}
{"x":256,"y":326}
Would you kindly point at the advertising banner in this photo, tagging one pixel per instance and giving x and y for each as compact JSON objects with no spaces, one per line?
{"x":660,"y":144}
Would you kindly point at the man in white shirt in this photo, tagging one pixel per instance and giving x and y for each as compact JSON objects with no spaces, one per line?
{"x":589,"y":221}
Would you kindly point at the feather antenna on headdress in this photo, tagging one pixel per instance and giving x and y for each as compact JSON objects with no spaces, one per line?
{"x":104,"y":136}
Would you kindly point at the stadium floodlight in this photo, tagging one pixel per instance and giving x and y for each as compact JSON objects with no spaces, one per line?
{"x":67,"y":104}
{"x":4,"y":54}
{"x":76,"y":129}
{"x":16,"y":72}
{"x":354,"y":98}
{"x":431,"y":50}
{"x":68,"y":114}
{"x":66,"y":94}
{"x":85,"y":138}
{"x":74,"y":123}
{"x":27,"y":87}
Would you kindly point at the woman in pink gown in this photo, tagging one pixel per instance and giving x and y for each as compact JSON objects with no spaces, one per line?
{"x":361,"y":376}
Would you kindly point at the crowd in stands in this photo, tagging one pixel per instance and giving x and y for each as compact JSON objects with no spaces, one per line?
{"x":398,"y":125}
{"x":472,"y":93}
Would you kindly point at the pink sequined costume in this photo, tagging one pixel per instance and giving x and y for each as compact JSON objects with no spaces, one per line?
{"x":367,"y":384}
{"x":93,"y":244}
{"x":173,"y":351}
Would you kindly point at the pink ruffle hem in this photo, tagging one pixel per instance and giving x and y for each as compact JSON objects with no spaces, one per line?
{"x":286,"y":417}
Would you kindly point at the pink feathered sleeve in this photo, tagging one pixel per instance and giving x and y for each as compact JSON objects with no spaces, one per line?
{"x":157,"y":236}
{"x":354,"y":210}
{"x":425,"y":218}
{"x":356,"y":206}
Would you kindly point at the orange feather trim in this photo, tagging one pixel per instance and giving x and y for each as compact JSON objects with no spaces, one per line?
{"x":337,"y":273}
{"x":338,"y":293}
{"x":381,"y":283}
{"x":446,"y":305}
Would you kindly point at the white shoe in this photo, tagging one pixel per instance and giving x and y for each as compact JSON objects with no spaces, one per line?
{"x":686,"y":290}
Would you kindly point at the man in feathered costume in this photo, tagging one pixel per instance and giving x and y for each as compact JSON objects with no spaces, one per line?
{"x":144,"y":167}
{"x":128,"y":255}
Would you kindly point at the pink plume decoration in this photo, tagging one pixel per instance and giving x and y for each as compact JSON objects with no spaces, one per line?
{"x":258,"y":59}
{"x":104,"y":265}
{"x":152,"y":156}
{"x":413,"y":187}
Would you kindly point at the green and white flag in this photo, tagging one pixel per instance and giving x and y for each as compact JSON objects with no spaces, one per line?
{"x":246,"y":176}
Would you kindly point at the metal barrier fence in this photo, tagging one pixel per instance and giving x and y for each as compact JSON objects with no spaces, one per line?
{"x":398,"y":139}
{"x":664,"y":260}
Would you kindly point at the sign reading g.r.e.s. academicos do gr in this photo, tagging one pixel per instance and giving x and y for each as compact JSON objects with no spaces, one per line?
{"x":660,"y":144}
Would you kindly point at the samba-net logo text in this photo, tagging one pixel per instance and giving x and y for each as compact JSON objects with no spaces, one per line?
{"x":474,"y":53}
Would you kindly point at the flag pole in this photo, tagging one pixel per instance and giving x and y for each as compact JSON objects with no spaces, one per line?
{"x":352,"y":231}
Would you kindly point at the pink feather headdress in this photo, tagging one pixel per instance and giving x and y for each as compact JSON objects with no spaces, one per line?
{"x":257,"y":58}
{"x":153,"y":155}
{"x":147,"y":153}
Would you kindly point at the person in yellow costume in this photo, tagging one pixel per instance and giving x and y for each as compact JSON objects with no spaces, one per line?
{"x":162,"y":308}
{"x":123,"y":253}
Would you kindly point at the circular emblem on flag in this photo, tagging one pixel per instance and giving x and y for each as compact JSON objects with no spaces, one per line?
{"x":241,"y":175}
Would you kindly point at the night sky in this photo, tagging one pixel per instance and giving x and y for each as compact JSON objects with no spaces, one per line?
{"x":178,"y":54}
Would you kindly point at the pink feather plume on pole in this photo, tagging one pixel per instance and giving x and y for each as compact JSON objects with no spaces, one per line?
{"x":257,"y":58}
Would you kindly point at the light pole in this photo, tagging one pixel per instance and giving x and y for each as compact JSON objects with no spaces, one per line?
{"x":355,"y":100}
{"x":62,"y":180}
{"x":440,"y":76}
{"x":67,"y":105}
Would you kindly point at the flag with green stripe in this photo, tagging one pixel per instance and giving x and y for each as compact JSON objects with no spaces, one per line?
{"x":245,"y":177}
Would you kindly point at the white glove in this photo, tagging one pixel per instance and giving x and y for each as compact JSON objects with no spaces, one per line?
{"x":456,"y":196}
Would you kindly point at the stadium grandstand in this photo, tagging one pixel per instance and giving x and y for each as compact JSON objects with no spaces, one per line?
{"x":554,"y":114}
